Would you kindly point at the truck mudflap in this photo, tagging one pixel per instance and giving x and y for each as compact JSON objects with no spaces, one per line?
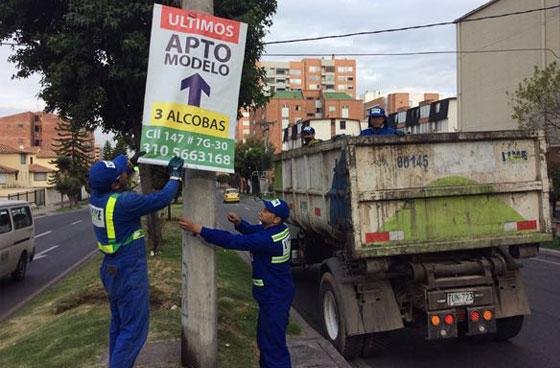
{"x":365,"y":307}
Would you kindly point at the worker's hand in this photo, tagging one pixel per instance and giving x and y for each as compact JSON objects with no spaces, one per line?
{"x":175,"y":168}
{"x":137,"y":155}
{"x":234,"y":218}
{"x":187,"y":225}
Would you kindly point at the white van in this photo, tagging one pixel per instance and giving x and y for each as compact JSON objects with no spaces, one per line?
{"x":17,"y":245}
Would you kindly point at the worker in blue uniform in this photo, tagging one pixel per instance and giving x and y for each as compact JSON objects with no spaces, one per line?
{"x":116,"y":214}
{"x":377,"y":121}
{"x":273,"y":287}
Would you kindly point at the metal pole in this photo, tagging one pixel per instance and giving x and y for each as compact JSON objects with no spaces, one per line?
{"x":199,"y":308}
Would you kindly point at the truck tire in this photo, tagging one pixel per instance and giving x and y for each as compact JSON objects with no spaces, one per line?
{"x":334,"y":327}
{"x":19,"y":272}
{"x":374,"y":344}
{"x":507,"y":328}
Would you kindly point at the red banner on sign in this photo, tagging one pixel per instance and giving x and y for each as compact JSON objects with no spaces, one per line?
{"x":199,"y":23}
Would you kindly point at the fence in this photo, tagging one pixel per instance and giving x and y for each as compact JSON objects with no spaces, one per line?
{"x":36,"y":196}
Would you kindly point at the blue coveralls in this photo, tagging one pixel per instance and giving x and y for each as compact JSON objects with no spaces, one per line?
{"x":378,"y":131}
{"x":273,"y":287}
{"x":125,"y":273}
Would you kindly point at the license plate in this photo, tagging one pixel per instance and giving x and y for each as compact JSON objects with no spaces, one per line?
{"x":460,"y":298}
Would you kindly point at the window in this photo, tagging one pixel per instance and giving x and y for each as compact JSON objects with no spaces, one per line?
{"x":22,"y":159}
{"x":40,"y":176}
{"x":298,"y":107}
{"x":37,"y":128}
{"x":22,"y":217}
{"x":318,"y":110}
{"x":246,"y":123}
{"x":295,"y":72}
{"x":438,"y":105}
{"x":245,"y":114}
{"x":285,"y":123}
{"x":3,"y":178}
{"x":341,"y":86}
{"x":345,"y":111}
{"x":310,"y":114}
{"x":246,"y":132}
{"x":36,"y":143}
{"x":314,"y":69}
{"x":31,"y":160}
{"x":5,"y":223}
{"x":313,"y":86}
{"x":332,"y":108}
{"x":285,"y":111}
{"x":341,"y":78}
{"x":314,"y":77}
{"x":296,"y":80}
{"x":282,"y":71}
{"x":20,"y":125}
{"x":343,"y":125}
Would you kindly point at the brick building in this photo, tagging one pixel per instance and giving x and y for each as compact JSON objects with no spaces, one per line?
{"x":287,"y":107}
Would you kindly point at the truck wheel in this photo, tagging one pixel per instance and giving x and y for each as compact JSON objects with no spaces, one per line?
{"x":374,"y":343}
{"x":333,"y":323}
{"x":19,"y":272}
{"x":507,"y":328}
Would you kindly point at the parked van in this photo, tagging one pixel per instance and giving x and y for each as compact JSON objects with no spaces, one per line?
{"x":17,"y":245}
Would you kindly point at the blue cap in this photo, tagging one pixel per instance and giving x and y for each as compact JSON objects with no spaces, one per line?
{"x":308,"y":130}
{"x":104,"y":173}
{"x":377,"y":112}
{"x":278,"y":207}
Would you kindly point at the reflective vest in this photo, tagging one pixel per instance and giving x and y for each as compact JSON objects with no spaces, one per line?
{"x":113,"y":246}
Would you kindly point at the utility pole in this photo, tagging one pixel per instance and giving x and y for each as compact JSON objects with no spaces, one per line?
{"x":199,"y":308}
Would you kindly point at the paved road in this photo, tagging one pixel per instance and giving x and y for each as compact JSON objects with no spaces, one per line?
{"x":538,"y":345}
{"x":62,"y":242}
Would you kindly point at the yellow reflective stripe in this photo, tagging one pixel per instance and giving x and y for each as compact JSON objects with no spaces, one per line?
{"x":109,"y":210}
{"x":105,"y":248}
{"x":258,"y":282}
{"x":280,"y":259}
{"x":138,"y":234}
{"x":280,"y":236}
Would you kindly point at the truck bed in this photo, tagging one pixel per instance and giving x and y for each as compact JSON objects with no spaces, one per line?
{"x":384,"y":196}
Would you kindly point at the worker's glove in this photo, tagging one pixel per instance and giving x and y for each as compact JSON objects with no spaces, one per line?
{"x":175,"y":168}
{"x":400,"y":133}
{"x":137,"y":155}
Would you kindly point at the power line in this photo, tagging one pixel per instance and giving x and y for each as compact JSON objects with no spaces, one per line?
{"x":388,"y":30}
{"x":412,"y":53}
{"x":10,"y":44}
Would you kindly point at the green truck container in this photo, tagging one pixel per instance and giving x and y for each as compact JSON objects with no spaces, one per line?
{"x":418,"y":229}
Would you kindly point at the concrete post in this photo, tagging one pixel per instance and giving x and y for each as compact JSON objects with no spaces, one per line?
{"x":199,"y":308}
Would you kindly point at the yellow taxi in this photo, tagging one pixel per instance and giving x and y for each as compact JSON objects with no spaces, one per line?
{"x":231,"y":195}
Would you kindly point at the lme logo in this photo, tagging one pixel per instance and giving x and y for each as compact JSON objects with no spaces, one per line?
{"x":514,"y":156}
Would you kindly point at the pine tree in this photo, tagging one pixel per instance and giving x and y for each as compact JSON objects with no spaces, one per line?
{"x":121,"y":147}
{"x":107,"y":152}
{"x":73,"y":148}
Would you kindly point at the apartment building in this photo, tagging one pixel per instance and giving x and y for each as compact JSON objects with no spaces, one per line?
{"x":288,"y":107}
{"x":399,"y":101}
{"x":429,"y":117}
{"x":484,"y":79}
{"x":331,"y":75}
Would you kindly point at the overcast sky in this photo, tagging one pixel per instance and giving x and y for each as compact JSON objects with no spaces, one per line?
{"x":307,"y":18}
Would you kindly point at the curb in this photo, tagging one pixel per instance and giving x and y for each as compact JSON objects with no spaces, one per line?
{"x":550,"y":252}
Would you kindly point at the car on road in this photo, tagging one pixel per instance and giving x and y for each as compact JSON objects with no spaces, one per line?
{"x":17,"y":245}
{"x":231,"y":195}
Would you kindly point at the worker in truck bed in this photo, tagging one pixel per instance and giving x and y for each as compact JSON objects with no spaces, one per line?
{"x":273,"y":287}
{"x":377,"y":121}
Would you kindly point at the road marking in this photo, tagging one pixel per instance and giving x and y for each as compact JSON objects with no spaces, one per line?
{"x":43,"y":234}
{"x":544,"y":261}
{"x":76,"y":222}
{"x":47,"y":285}
{"x":42,"y":254}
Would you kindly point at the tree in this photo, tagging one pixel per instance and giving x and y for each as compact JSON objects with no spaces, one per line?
{"x":121,"y":147}
{"x":107,"y":152}
{"x":93,"y":55}
{"x":536,"y":102}
{"x":252,"y":156}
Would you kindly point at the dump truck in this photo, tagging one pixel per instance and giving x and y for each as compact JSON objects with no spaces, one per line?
{"x":422,"y":230}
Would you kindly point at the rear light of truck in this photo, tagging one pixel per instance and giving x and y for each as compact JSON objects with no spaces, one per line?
{"x":436,"y":320}
{"x":487,"y":315}
{"x":475,"y":316}
{"x":449,"y":319}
